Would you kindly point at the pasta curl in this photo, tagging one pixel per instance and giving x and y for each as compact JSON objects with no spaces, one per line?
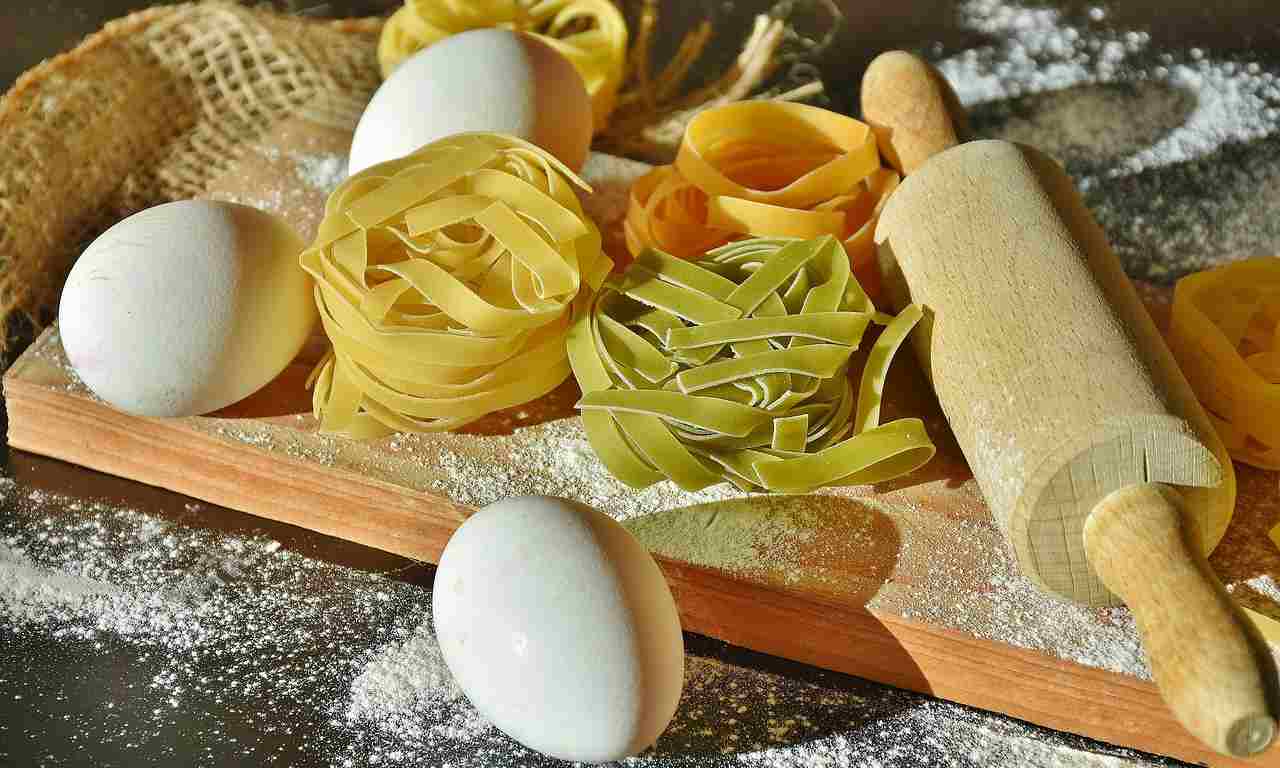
{"x":447,"y":281}
{"x":765,"y":169}
{"x":735,"y":366}
{"x":591,"y":34}
{"x":1225,"y":334}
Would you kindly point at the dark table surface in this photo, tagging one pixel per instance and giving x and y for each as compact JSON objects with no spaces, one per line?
{"x":76,"y":693}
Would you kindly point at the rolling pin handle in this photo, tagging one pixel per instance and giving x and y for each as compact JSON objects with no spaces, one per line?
{"x":912,"y":109}
{"x":1213,"y":669}
{"x":1215,"y":672}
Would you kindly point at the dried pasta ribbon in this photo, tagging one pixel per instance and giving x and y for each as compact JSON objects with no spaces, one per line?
{"x":447,"y":281}
{"x":735,"y":367}
{"x":1225,"y":334}
{"x":1268,"y":627}
{"x":765,"y":169}
{"x":591,"y":34}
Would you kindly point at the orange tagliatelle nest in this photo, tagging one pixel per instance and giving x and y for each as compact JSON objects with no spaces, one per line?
{"x":1225,"y":334}
{"x":765,"y":169}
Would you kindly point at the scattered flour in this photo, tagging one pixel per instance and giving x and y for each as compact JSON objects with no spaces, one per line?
{"x":348,"y":656}
{"x":323,"y":172}
{"x":30,"y":594}
{"x":400,"y":679}
{"x":1266,"y":586}
{"x":1174,"y":148}
{"x":318,"y":663}
{"x":1038,"y":51}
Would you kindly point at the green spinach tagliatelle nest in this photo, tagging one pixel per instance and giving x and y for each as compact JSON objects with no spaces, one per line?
{"x":735,"y":366}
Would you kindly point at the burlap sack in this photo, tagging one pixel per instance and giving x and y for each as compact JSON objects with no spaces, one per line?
{"x":148,"y":110}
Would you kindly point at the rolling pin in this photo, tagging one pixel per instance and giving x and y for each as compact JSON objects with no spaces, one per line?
{"x":1099,"y":465}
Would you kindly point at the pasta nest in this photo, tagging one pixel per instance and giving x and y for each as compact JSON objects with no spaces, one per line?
{"x":591,"y":34}
{"x":1225,"y":334}
{"x":447,"y":281}
{"x":735,"y":366}
{"x":765,"y":169}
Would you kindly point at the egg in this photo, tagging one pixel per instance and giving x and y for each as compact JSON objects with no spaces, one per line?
{"x":493,"y":80}
{"x":558,"y":626}
{"x":186,"y":307}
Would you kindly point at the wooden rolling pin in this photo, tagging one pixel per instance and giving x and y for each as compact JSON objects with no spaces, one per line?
{"x":1071,"y":411}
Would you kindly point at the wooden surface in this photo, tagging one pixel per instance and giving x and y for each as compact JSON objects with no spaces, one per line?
{"x":964,"y":667}
{"x":848,"y":625}
{"x":907,"y":583}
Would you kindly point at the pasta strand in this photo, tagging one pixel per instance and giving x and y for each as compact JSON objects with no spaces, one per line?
{"x":701,"y":372}
{"x":490,"y":259}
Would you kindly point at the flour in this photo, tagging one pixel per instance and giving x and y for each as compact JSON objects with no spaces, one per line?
{"x":748,"y":536}
{"x":323,"y":172}
{"x":31,"y":594}
{"x":784,"y":719}
{"x":1102,"y":638}
{"x":347,"y":661}
{"x":406,"y":694}
{"x":550,"y":459}
{"x":1040,"y":52}
{"x":1266,"y":586}
{"x":209,"y":616}
{"x":991,"y":747}
{"x":401,"y":678}
{"x":1174,"y":149}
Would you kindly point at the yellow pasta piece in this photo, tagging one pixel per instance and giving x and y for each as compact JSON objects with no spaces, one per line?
{"x":765,"y":169}
{"x":727,"y":151}
{"x":1225,"y":336}
{"x":734,"y":367}
{"x":447,"y":283}
{"x":591,"y":34}
{"x":1268,"y":627}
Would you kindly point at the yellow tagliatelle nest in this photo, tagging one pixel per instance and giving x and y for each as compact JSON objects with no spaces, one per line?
{"x":447,"y":282}
{"x":735,"y":366}
{"x":766,"y":169}
{"x":591,"y":34}
{"x":1225,"y":333}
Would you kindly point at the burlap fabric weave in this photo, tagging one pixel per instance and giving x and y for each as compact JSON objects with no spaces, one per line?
{"x":148,"y":110}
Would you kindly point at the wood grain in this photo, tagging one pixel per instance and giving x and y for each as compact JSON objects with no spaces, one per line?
{"x":1052,"y":375}
{"x":1205,"y":654}
{"x":847,"y":592}
{"x":1088,"y":401}
{"x":912,"y":109}
{"x":1061,"y":391}
{"x":828,"y":629}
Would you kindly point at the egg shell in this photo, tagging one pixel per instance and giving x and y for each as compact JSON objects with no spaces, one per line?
{"x":493,"y":80}
{"x":560,"y":628}
{"x":186,"y":307}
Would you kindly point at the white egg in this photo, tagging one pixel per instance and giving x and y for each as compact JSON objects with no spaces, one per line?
{"x":559,"y":628}
{"x":186,"y":307}
{"x":492,"y":80}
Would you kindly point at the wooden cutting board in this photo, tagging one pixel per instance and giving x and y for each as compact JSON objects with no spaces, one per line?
{"x":906,"y":583}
